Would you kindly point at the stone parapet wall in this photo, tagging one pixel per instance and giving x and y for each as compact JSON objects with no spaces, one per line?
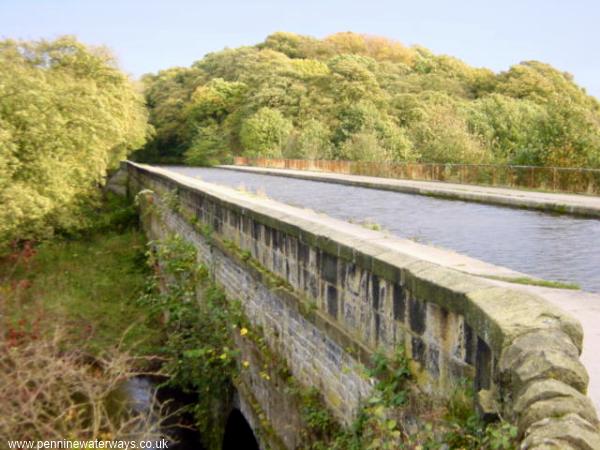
{"x":521,"y":353}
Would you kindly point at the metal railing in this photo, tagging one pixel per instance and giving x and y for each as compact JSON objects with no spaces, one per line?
{"x":552,"y":179}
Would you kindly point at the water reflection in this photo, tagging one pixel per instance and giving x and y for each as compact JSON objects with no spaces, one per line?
{"x":561,"y":248}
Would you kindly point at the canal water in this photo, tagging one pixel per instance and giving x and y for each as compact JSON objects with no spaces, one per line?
{"x":553,"y":247}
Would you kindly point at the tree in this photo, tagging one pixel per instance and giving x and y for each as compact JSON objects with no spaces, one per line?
{"x":510,"y":128}
{"x":215,"y":100}
{"x":364,"y":146}
{"x":349,"y":89}
{"x":439,"y":130}
{"x":352,"y":78}
{"x":312,"y":142}
{"x":67,"y":115}
{"x":168,"y":95}
{"x":364,"y":124}
{"x":541,"y":82}
{"x":296,"y":46}
{"x":264,"y":134}
{"x":376,"y":47}
{"x":208,"y":148}
{"x":570,"y":135}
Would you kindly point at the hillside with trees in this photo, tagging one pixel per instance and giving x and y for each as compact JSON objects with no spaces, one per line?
{"x":357,"y":97}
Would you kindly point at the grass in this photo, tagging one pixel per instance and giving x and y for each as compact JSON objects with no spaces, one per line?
{"x":537,"y":282}
{"x":87,"y":285}
{"x":73,"y":331}
{"x":369,"y":224}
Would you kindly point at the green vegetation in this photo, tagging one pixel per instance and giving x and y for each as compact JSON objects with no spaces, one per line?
{"x":537,"y":282}
{"x":369,"y":224}
{"x":381,"y":422}
{"x":67,"y":115}
{"x":90,"y":284}
{"x":73,"y":331}
{"x":461,"y":427}
{"x":203,"y":358}
{"x":198,"y":323}
{"x":365,"y":98}
{"x":77,"y":307}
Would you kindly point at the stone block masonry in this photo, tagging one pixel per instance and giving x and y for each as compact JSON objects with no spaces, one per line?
{"x":521,"y":353}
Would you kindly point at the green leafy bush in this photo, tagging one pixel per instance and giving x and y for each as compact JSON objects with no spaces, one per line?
{"x":67,"y":115}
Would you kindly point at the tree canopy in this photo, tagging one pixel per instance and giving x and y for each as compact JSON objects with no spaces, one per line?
{"x":67,"y":115}
{"x":351,"y":96}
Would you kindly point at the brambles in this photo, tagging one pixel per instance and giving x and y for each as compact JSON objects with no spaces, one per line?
{"x":52,"y":394}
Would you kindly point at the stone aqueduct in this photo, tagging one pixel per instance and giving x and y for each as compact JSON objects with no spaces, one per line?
{"x":347,"y":291}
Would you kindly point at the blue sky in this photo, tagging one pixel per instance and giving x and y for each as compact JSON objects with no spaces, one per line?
{"x":149,"y":35}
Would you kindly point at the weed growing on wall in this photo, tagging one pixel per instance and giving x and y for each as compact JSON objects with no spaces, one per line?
{"x":375,"y":426}
{"x":463,"y":428}
{"x":380,"y":422}
{"x":198,"y":322}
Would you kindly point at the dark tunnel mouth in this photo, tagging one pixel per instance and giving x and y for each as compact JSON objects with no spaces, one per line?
{"x":238,"y":433}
